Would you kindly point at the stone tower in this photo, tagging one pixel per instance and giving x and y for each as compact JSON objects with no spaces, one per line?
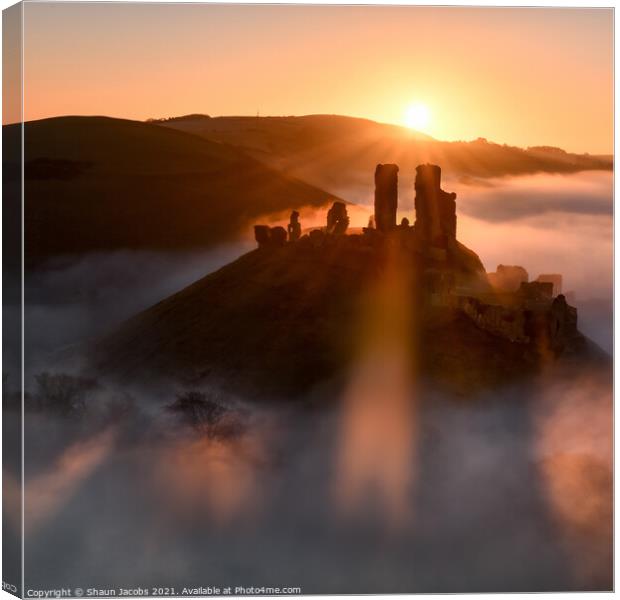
{"x":435,"y":209}
{"x":386,"y":196}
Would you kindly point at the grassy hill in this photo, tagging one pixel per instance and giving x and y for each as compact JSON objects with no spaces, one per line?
{"x":278,"y":321}
{"x":96,"y":183}
{"x":340,"y":153}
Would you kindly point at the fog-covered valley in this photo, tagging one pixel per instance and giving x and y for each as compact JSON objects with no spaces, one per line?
{"x":507,"y":491}
{"x":545,"y":223}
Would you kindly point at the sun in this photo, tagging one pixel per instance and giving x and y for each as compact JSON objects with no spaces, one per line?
{"x":417,"y":116}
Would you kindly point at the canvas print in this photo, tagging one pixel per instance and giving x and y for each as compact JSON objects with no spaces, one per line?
{"x":306,"y":299}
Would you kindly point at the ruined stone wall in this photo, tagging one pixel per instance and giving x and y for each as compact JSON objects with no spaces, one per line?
{"x":337,"y":219}
{"x":435,"y":209}
{"x":386,"y":196}
{"x":503,"y":321}
{"x":553,"y":278}
{"x":552,"y":324}
{"x":508,"y":278}
{"x":536,"y":291}
{"x":269,"y":236}
{"x":562,"y":323}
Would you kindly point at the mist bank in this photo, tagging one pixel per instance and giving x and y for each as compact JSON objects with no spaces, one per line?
{"x":547,"y":224}
{"x":508,"y":493}
{"x":71,"y":300}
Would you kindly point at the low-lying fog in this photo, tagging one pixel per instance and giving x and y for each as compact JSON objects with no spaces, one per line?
{"x":509,"y":493}
{"x":546,"y":223}
{"x":512,"y":492}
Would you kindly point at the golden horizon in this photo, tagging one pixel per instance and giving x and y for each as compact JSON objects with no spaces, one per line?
{"x":521,"y":76}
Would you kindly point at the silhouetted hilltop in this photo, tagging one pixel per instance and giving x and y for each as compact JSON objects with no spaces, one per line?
{"x":277,"y":320}
{"x":192,"y":117}
{"x":336,"y":153}
{"x":96,"y":183}
{"x":296,"y":311}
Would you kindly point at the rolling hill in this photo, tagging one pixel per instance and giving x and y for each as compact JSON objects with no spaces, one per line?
{"x":337,"y":153}
{"x":279,"y":321}
{"x":275,"y":321}
{"x":99,"y":184}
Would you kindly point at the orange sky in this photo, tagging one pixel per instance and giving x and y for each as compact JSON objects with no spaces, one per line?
{"x":519,"y":76}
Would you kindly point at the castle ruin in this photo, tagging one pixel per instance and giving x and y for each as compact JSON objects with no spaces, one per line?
{"x":435,"y":209}
{"x":269,"y":237}
{"x":508,"y":278}
{"x":337,"y":219}
{"x":504,"y":303}
{"x":386,"y":197}
{"x":294,"y":227}
{"x":555,"y":279}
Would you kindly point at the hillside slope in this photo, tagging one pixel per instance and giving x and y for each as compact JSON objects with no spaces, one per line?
{"x":278,"y":321}
{"x":96,"y":183}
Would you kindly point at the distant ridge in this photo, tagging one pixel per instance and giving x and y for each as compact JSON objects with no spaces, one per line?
{"x":192,"y":117}
{"x":337,"y":152}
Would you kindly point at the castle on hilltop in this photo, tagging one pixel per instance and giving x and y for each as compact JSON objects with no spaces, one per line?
{"x":435,"y":222}
{"x":504,"y":303}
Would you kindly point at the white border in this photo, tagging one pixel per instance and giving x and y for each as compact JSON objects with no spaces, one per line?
{"x":481,"y":3}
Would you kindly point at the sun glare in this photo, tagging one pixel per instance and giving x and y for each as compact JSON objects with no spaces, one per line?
{"x":417,"y":116}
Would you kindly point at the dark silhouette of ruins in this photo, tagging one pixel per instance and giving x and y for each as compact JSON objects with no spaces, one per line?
{"x":294,"y":227}
{"x":278,"y":236}
{"x":262,"y":235}
{"x":337,"y":219}
{"x":386,"y":197}
{"x":504,"y":303}
{"x":269,"y":236}
{"x":508,"y":278}
{"x":562,"y":323}
{"x":536,"y":290}
{"x":435,"y":209}
{"x":555,"y":279}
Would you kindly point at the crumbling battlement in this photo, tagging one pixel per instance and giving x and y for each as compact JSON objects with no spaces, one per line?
{"x":337,"y":219}
{"x":513,"y":278}
{"x":554,"y":323}
{"x":267,"y":237}
{"x":294,"y":227}
{"x":562,"y":323}
{"x":508,"y":278}
{"x":435,"y":209}
{"x":555,"y":279}
{"x":536,"y":291}
{"x":503,"y":321}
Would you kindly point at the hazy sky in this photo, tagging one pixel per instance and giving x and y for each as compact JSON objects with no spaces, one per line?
{"x":519,"y":76}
